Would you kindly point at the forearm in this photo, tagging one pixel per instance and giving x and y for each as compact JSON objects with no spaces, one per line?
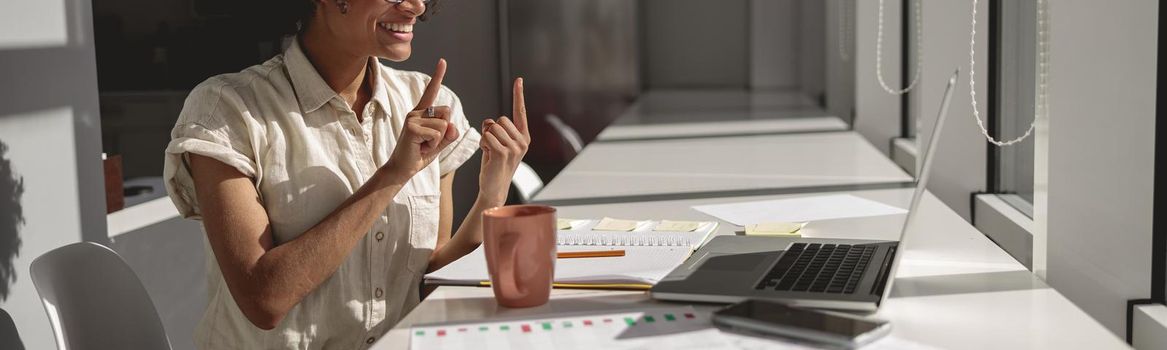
{"x":468,"y":237}
{"x":287,"y":273}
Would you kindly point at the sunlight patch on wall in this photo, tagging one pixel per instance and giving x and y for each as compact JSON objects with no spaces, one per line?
{"x":33,"y":24}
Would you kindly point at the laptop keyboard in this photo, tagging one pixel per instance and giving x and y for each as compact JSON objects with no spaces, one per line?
{"x":819,"y":268}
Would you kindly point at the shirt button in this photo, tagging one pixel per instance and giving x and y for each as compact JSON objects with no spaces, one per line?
{"x":370,"y":340}
{"x":380,"y":235}
{"x":378,"y":293}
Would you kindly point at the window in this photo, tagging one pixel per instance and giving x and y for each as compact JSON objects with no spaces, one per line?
{"x":1013,"y":100}
{"x":903,"y":147}
{"x":150,"y":55}
{"x":1005,"y":214}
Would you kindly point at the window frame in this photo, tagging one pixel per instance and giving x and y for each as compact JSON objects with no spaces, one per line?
{"x":904,"y":149}
{"x":1000,"y":214}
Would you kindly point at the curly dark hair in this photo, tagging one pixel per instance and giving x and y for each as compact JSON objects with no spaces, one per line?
{"x":297,"y":13}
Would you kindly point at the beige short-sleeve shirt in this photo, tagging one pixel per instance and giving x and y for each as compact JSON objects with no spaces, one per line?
{"x":307,"y":151}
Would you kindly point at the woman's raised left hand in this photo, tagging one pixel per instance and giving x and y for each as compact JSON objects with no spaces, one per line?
{"x":504,"y":143}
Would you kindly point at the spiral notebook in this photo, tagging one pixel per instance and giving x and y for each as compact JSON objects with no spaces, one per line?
{"x":653,"y":248}
{"x":638,"y":233}
{"x":639,"y":268}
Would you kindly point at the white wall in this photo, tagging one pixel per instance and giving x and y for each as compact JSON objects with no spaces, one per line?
{"x":46,"y":19}
{"x":1101,"y":140}
{"x":877,"y":113}
{"x":960,"y":164}
{"x":49,"y":122}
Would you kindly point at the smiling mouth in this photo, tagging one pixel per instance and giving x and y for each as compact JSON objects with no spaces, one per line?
{"x":396,"y":27}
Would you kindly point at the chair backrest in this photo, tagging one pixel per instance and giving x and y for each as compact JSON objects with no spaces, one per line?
{"x":9,"y":335}
{"x":527,"y":181}
{"x":95,"y":301}
{"x":569,"y":135}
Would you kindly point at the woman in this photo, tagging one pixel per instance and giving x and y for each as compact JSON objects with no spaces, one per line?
{"x":323,"y":179}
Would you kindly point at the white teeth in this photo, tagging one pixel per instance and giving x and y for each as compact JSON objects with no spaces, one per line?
{"x":397,"y":27}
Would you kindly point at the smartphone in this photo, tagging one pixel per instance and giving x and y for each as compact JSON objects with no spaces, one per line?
{"x":778,"y":319}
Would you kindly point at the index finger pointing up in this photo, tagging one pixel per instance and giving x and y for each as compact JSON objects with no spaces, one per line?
{"x":519,"y":107}
{"x":431,"y":89}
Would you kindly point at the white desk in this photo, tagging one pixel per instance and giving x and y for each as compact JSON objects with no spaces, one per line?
{"x":625,"y":170}
{"x":695,"y":113}
{"x":685,"y":100}
{"x":955,"y":289}
{"x":640,"y":127}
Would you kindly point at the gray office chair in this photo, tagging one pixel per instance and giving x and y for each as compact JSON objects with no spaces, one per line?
{"x":95,"y":301}
{"x":568,"y":134}
{"x":526,"y":181}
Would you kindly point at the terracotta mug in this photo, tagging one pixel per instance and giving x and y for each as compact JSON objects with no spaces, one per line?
{"x":520,"y":253}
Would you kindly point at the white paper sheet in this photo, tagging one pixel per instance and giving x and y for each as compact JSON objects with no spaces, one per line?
{"x":798,"y":209}
{"x":662,"y":328}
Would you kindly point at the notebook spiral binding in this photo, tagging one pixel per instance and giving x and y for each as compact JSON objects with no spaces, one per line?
{"x":621,"y":239}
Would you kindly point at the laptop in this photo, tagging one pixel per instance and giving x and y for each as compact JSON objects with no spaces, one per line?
{"x":836,"y":274}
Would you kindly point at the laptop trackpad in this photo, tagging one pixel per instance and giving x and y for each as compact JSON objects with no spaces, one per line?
{"x":735,"y":262}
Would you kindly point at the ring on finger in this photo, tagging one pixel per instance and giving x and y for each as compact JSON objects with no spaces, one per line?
{"x":429,"y":112}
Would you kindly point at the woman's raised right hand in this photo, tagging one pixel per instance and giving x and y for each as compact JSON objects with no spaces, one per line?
{"x":423,"y":136}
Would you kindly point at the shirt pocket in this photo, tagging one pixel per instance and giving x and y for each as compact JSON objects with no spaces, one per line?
{"x":424,"y":212}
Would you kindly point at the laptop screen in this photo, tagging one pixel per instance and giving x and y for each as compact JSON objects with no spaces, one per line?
{"x":929,"y":152}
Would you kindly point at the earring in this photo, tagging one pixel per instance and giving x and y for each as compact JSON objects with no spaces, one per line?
{"x":343,"y":6}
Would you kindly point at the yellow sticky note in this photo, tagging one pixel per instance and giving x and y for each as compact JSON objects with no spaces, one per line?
{"x":563,"y":224}
{"x":775,"y":229}
{"x":677,"y":226}
{"x":610,"y":224}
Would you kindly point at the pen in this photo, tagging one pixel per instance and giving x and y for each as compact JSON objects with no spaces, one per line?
{"x":591,"y":254}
